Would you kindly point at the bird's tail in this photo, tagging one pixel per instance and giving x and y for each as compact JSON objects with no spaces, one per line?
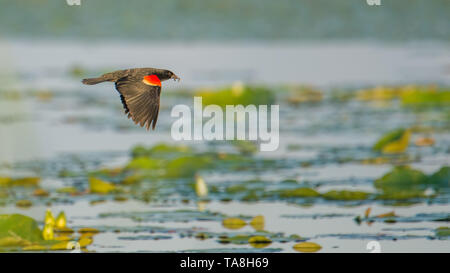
{"x":93,"y":81}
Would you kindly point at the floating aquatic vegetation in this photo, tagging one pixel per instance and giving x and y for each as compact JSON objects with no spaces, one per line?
{"x":167,"y":216}
{"x":401,"y":195}
{"x":40,"y":193}
{"x":442,"y":232}
{"x":233,"y":250}
{"x":236,"y":189}
{"x":346,"y":195}
{"x":88,"y":232}
{"x":316,"y":215}
{"x":299,"y":192}
{"x":258,"y":223}
{"x":245,"y":147}
{"x":237,"y":94}
{"x":19,"y":230}
{"x":396,"y":141}
{"x":145,"y":237}
{"x":302,"y":94}
{"x":426,"y":97}
{"x":233,"y":223}
{"x":307,"y":247}
{"x":67,"y":190}
{"x":187,"y":166}
{"x":259,"y":241}
{"x":402,"y":178}
{"x":19,"y":182}
{"x":172,"y":162}
{"x":378,"y":93}
{"x":409,"y":95}
{"x":144,"y":163}
{"x":99,"y":186}
{"x":22,"y":232}
{"x":160,"y":150}
{"x":441,"y":178}
{"x":386,"y":215}
{"x":424,"y":141}
{"x":4,"y":181}
{"x":393,"y":217}
{"x":251,"y":196}
{"x":24,"y":203}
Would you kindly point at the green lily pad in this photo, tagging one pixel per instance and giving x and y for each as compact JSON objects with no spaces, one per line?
{"x":99,"y":186}
{"x":145,"y":163}
{"x":19,"y":230}
{"x":346,"y":195}
{"x":426,"y":97}
{"x":236,"y":189}
{"x":402,"y":178}
{"x":299,"y":192}
{"x":441,"y":178}
{"x":161,"y":150}
{"x":187,"y":166}
{"x":238,"y":94}
{"x":401,"y":195}
{"x":393,"y":142}
{"x":19,"y":182}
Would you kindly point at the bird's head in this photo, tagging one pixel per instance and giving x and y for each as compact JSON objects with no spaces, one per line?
{"x":164,"y":75}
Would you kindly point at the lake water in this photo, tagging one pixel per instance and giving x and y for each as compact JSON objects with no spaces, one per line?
{"x":41,"y":136}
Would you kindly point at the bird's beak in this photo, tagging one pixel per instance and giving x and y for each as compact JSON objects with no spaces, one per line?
{"x":175,"y":77}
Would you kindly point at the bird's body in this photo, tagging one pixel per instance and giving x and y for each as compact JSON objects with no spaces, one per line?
{"x":140,"y":90}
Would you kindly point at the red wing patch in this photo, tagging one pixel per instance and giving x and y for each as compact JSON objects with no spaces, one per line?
{"x":152,"y":80}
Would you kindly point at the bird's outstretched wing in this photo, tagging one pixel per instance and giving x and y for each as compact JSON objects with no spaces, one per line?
{"x":141,"y":101}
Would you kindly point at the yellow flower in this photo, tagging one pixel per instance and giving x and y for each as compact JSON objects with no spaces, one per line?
{"x":61,"y":220}
{"x":49,"y":219}
{"x":47,"y":233}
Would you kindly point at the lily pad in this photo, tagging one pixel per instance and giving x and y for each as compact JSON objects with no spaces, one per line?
{"x":402,"y":178}
{"x":99,"y":186}
{"x":145,"y":163}
{"x":19,"y":230}
{"x":187,"y":166}
{"x":19,"y":182}
{"x":396,"y":141}
{"x":346,"y":195}
{"x":233,"y":223}
{"x":238,"y":94}
{"x":426,"y":97}
{"x":259,"y":241}
{"x":161,"y":150}
{"x":307,"y":247}
{"x":441,"y":178}
{"x":299,"y":192}
{"x":258,"y":223}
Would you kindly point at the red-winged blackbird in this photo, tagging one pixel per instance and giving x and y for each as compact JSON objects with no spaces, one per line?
{"x":140,"y":89}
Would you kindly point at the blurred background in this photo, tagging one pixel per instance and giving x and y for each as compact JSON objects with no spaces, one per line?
{"x":364,"y":123}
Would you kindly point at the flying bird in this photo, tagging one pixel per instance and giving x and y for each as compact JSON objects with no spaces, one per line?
{"x":140,"y":89}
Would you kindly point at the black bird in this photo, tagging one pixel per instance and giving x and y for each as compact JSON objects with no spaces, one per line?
{"x":140,"y":89}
